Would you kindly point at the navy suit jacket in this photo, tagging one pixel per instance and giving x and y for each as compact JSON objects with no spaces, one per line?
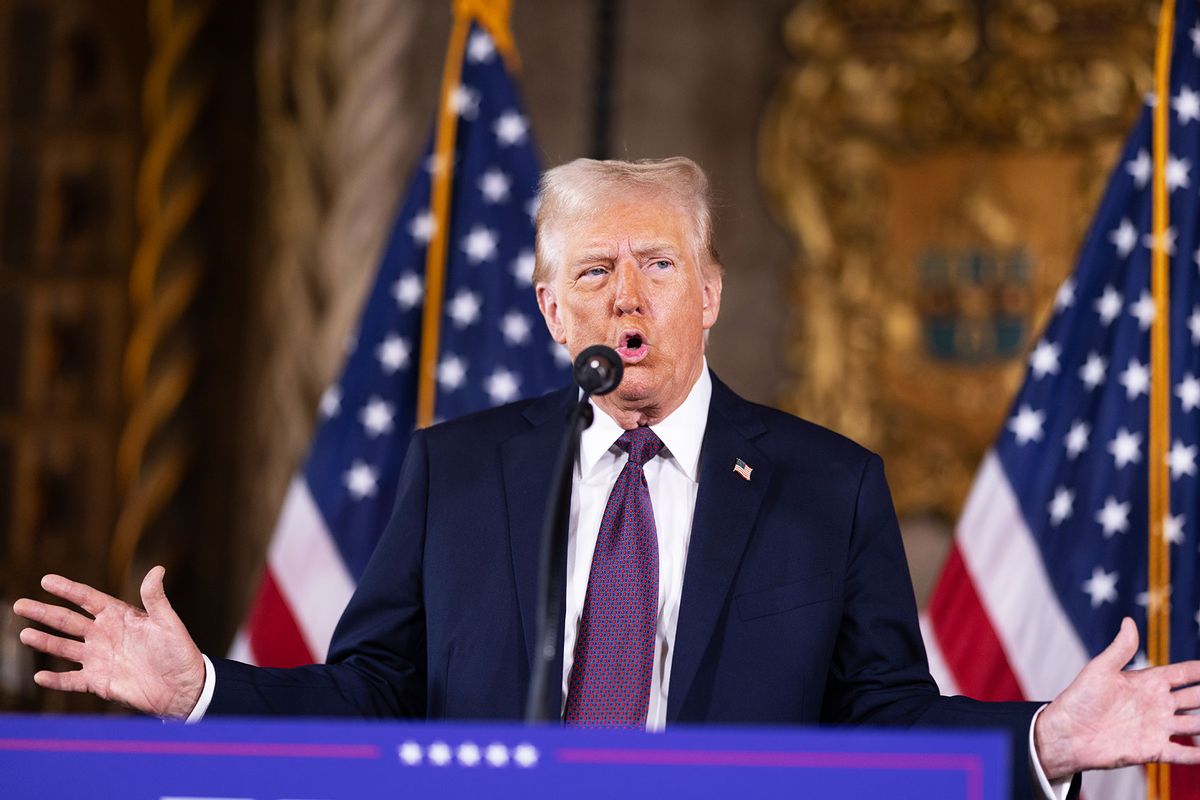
{"x":797,"y":604}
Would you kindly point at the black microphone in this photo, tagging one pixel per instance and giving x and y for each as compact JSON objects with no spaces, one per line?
{"x":598,"y":369}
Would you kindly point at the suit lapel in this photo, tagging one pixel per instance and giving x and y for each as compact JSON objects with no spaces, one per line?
{"x":727,"y":506}
{"x":528,"y":461}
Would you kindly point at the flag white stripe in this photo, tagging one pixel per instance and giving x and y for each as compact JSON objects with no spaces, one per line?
{"x":308,"y":569}
{"x":240,"y":649}
{"x":938,"y":667}
{"x":1003,"y":561}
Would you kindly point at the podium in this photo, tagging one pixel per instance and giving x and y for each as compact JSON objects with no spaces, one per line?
{"x":51,"y":757}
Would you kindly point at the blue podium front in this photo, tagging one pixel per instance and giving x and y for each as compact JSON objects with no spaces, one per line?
{"x":50,"y":757}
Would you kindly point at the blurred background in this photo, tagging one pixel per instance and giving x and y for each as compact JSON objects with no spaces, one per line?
{"x":193,"y":197}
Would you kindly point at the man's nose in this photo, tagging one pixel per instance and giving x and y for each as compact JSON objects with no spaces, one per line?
{"x":630,"y":297}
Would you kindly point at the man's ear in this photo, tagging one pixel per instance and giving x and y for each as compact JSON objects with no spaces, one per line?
{"x":711,"y":297}
{"x":548,"y":304}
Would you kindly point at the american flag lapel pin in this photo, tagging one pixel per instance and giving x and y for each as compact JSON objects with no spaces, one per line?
{"x":743,"y":469}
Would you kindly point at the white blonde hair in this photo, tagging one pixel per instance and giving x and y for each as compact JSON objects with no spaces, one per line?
{"x":580,"y":188}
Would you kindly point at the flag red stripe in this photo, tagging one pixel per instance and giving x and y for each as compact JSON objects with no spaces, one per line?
{"x":1185,"y":783}
{"x":275,"y":639}
{"x":968,"y":641}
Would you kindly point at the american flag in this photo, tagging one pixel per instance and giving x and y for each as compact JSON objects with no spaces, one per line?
{"x":493,"y":349}
{"x":1051,"y":550}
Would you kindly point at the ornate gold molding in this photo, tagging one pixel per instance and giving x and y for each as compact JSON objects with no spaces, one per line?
{"x":938,"y":166}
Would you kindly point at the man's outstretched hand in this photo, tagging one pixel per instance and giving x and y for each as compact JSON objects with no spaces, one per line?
{"x":1109,"y":718}
{"x":142,"y":659}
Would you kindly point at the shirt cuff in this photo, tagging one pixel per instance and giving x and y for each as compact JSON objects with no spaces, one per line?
{"x":210,"y":685}
{"x":1051,"y":790}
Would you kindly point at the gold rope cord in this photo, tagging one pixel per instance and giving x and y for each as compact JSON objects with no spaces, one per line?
{"x":163,"y":279}
{"x":1158,"y":610}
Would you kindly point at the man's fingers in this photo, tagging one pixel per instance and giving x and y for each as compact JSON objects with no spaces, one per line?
{"x":90,"y":600}
{"x":154,"y":597}
{"x":63,"y":619}
{"x":1176,"y":753}
{"x":1185,"y":725}
{"x":1186,"y":699}
{"x":72,"y":681}
{"x":1123,"y":647}
{"x":54,"y":645}
{"x":1183,"y":673}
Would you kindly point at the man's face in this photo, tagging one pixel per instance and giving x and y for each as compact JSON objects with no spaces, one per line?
{"x":629,"y":277}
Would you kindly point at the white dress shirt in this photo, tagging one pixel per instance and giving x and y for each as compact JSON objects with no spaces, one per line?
{"x":673,"y":480}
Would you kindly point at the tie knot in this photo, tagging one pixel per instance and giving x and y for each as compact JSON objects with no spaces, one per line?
{"x":642,"y":444}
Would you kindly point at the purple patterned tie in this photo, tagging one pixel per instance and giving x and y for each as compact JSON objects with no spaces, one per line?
{"x":614,"y":650}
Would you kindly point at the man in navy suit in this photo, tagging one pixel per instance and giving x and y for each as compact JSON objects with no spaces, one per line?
{"x":779,"y":594}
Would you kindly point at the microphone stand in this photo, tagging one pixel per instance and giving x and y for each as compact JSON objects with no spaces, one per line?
{"x":544,"y":703}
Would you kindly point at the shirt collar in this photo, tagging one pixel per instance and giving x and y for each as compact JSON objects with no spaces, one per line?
{"x":681,"y":432}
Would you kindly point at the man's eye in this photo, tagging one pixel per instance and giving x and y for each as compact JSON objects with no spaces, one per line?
{"x":661,"y":263}
{"x":594,"y":271}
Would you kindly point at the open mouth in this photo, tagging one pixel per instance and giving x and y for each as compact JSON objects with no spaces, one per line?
{"x":633,"y":347}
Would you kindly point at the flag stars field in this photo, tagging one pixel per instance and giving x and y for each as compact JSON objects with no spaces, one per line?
{"x":331,"y":401}
{"x":376,"y":417}
{"x":1062,"y":506}
{"x":1027,"y":425}
{"x":393,"y":353}
{"x":1150,"y":242}
{"x":1065,"y":296}
{"x":1186,"y":105}
{"x":494,"y":185}
{"x":1101,"y":587}
{"x":510,"y":129}
{"x":361,"y":480}
{"x":516,"y":328}
{"x":408,"y":291}
{"x":1188,"y":392}
{"x":1140,"y":168}
{"x":1093,"y":371}
{"x":1124,"y":237}
{"x":422,"y":227}
{"x":1135,"y":379}
{"x":1076,"y":439}
{"x":1144,"y":310}
{"x":465,"y":102}
{"x":480,"y":47}
{"x":1181,"y":459}
{"x":451,"y":372}
{"x":480,"y":244}
{"x":1173,"y":528}
{"x":1113,"y":517}
{"x":1193,"y":324}
{"x":1044,"y":359}
{"x":522,"y":267}
{"x":561,"y":356}
{"x":1177,"y":173}
{"x":464,"y":308}
{"x":502,"y":386}
{"x":1126,"y":448}
{"x":1109,"y":304}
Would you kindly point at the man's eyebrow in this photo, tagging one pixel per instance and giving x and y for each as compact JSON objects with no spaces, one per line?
{"x":595,"y":254}
{"x":656,"y":247}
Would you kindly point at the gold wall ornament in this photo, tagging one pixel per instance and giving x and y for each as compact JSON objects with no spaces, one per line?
{"x":938,"y":165}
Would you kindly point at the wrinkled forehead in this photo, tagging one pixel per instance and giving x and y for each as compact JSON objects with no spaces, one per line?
{"x":637,"y":217}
